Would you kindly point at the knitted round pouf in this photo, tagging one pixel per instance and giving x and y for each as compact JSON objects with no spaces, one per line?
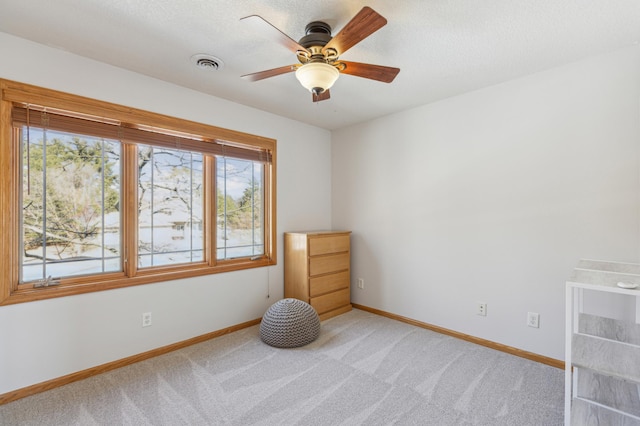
{"x":290,"y":323}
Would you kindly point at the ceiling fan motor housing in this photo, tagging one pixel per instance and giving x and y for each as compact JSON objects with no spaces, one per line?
{"x":318,"y":34}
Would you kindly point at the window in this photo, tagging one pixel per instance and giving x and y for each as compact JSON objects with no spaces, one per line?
{"x":102,"y":196}
{"x":240,"y":208}
{"x":69,"y":211}
{"x":170,"y":209}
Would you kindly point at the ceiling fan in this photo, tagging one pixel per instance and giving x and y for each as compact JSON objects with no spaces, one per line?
{"x":319,"y":53}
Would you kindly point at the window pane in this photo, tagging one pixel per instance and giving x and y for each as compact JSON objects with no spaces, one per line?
{"x":70,"y":205}
{"x":170,"y":206}
{"x":240,"y":203}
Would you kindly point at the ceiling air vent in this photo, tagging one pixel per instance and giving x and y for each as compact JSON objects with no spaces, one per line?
{"x":207,"y":62}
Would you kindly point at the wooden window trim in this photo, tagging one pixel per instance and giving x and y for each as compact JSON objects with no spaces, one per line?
{"x":133,"y":133}
{"x":14,"y":93}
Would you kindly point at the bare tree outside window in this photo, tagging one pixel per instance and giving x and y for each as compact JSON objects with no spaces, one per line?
{"x":170,"y":208}
{"x":70,"y":204}
{"x":240,"y":208}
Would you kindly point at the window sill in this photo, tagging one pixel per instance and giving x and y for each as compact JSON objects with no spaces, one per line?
{"x":73,"y":286}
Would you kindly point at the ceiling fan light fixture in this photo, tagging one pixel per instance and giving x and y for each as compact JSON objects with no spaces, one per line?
{"x":317,"y":77}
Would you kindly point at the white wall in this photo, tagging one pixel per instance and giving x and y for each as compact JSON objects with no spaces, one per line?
{"x":43,"y":340}
{"x":493,"y":196}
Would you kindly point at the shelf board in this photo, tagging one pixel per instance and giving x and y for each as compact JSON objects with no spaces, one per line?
{"x":608,"y":357}
{"x":583,"y":412}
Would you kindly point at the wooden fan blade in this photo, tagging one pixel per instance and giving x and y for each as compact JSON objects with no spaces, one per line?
{"x":260,"y":75}
{"x":258,"y":24}
{"x":373,"y":72}
{"x":365,"y":23}
{"x":322,"y":96}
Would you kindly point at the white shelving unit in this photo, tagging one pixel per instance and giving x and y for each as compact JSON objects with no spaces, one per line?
{"x":602,"y":372}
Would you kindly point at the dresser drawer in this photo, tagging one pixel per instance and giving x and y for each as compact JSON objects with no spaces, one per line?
{"x":328,"y":302}
{"x":327,"y":264}
{"x":326,"y":245}
{"x":328,"y":283}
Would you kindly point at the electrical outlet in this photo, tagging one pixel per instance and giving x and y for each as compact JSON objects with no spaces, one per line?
{"x":481,"y":309}
{"x":533,"y":319}
{"x":361,"y":283}
{"x":146,"y":319}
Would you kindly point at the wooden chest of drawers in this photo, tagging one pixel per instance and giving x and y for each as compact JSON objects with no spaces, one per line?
{"x":317,"y":270}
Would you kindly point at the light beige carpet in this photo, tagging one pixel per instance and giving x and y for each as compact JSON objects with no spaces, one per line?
{"x":363,"y":369}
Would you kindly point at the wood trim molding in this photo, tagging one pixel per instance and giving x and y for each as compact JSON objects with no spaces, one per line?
{"x":478,"y":341}
{"x":12,"y":292}
{"x":94,"y":371}
{"x":14,"y":91}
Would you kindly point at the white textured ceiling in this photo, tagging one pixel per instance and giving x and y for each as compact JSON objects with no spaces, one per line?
{"x":443,"y":47}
